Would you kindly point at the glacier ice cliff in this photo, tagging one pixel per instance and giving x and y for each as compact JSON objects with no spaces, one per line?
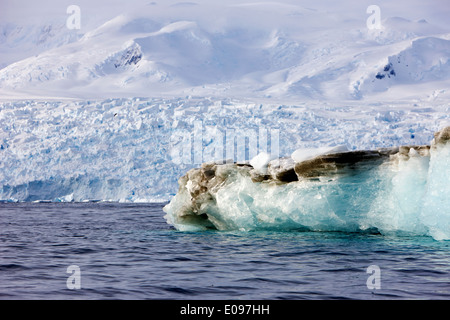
{"x":401,"y":190}
{"x":135,"y":149}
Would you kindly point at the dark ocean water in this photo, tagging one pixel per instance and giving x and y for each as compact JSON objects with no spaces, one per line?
{"x":127,"y":251}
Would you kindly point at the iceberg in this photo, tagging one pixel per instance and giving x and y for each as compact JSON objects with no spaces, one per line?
{"x":397,"y":190}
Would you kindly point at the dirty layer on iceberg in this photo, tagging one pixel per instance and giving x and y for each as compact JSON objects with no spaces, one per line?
{"x":401,"y":190}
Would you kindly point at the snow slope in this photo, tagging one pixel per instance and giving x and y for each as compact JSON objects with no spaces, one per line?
{"x":278,"y":50}
{"x":18,"y":42}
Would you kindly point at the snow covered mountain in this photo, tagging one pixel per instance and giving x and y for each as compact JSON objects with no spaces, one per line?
{"x":271,"y":50}
{"x":19,"y":42}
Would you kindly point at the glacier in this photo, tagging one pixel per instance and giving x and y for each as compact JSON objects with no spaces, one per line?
{"x":402,"y":190}
{"x":126,"y":149}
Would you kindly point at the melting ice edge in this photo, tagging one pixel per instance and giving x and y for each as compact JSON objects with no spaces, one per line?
{"x":401,"y":190}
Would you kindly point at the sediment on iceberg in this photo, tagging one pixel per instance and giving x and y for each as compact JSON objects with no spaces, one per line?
{"x":400,"y":190}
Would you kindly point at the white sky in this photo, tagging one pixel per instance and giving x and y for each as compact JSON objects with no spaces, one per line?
{"x":98,"y":11}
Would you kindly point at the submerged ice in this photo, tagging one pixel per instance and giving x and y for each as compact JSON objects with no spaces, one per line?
{"x":388,"y":190}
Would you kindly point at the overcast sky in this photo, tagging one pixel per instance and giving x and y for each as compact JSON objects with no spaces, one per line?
{"x":97,"y":11}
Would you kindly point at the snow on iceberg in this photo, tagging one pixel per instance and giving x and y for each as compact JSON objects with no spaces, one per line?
{"x":300,"y":155}
{"x":261,"y":161}
{"x":402,"y":190}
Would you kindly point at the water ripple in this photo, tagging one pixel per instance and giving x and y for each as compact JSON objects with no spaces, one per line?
{"x":127,"y":251}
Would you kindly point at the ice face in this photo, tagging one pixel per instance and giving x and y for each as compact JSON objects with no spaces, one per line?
{"x":436,"y":205}
{"x":398,"y":190}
